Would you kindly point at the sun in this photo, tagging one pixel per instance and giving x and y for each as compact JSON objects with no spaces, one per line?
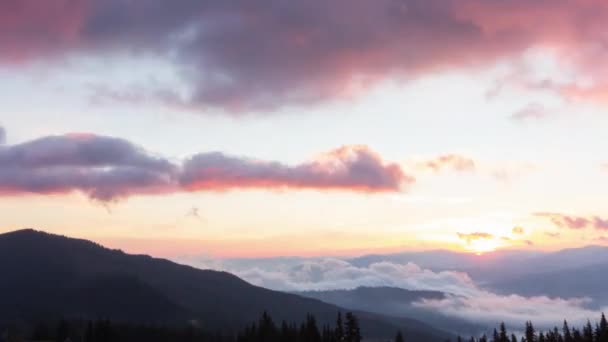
{"x":482,"y":246}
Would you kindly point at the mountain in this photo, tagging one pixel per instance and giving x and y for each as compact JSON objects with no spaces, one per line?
{"x":585,"y":281}
{"x":394,"y":302}
{"x":45,"y":275}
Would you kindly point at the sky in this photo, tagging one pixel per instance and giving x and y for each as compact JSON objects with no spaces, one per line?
{"x":234,"y":129}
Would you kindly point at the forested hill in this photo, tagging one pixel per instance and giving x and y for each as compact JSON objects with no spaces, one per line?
{"x":46,"y":275}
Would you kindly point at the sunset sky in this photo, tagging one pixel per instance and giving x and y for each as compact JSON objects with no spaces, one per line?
{"x":340,"y":127}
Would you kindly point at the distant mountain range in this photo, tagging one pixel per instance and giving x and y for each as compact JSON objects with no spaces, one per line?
{"x":45,"y":275}
{"x":574,"y":272}
{"x":395,"y":302}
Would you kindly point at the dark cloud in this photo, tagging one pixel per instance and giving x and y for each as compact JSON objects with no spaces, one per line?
{"x":107,"y":169}
{"x":242,"y":55}
{"x":576,"y":222}
{"x":104,"y":168}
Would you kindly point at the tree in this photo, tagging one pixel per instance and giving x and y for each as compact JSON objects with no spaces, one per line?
{"x":352,"y":332}
{"x":530,"y":333}
{"x":602,"y":331}
{"x":339,"y":335}
{"x":502,"y":337}
{"x":588,"y":332}
{"x":399,"y":337}
{"x":567,"y":334}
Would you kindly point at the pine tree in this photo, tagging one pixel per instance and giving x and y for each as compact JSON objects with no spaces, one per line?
{"x":602,"y":335}
{"x":352,"y":331}
{"x":502,"y":337}
{"x":339,"y":334}
{"x":588,"y":332}
{"x":567,"y":334}
{"x":530,"y":333}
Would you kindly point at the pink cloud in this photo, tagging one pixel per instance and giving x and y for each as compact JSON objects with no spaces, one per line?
{"x":107,"y":169}
{"x":241,"y":56}
{"x":575,"y":222}
{"x":354,"y":168}
{"x":448,"y":162}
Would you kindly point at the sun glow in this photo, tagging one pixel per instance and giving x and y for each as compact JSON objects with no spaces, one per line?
{"x":482,"y":246}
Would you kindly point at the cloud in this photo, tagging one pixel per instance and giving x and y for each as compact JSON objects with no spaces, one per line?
{"x":469,"y":238}
{"x":242,"y":56}
{"x":331,"y":273}
{"x":448,"y":162}
{"x":554,"y":235}
{"x":108,"y":169}
{"x":2,"y":135}
{"x":351,"y":168}
{"x":464,"y":298}
{"x":104,"y":168}
{"x":575,"y":222}
{"x":533,"y":111}
{"x":490,"y":308}
{"x":517,"y":231}
{"x":602,"y":239}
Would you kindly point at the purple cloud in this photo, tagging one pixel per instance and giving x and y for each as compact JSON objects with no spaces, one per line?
{"x":104,"y":168}
{"x":240,"y":55}
{"x":108,"y":169}
{"x":575,"y":222}
{"x":353,"y":168}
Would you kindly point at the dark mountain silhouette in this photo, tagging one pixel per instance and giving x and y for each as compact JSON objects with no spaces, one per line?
{"x":394,"y":302}
{"x":50,"y":275}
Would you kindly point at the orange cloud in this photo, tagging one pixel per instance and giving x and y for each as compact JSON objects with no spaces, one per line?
{"x":471,"y":237}
{"x":448,"y":162}
{"x":517,"y":230}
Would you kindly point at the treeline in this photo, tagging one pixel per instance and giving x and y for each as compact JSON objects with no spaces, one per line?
{"x":345,"y":329}
{"x":587,"y":333}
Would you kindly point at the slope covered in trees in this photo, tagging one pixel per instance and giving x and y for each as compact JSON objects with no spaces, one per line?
{"x":586,"y":333}
{"x":46,"y":275}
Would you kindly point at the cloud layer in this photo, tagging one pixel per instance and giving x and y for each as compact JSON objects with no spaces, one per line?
{"x":241,"y":55}
{"x":464,"y":299}
{"x":107,"y":168}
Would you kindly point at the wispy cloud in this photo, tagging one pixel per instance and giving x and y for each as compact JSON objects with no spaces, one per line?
{"x":575,"y":222}
{"x":517,"y":230}
{"x":453,"y":162}
{"x":471,"y":237}
{"x":533,"y":111}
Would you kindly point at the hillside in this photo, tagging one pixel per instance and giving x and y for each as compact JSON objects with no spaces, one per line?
{"x":50,"y":275}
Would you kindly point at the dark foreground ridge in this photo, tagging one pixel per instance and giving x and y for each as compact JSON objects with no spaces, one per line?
{"x":49,"y":276}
